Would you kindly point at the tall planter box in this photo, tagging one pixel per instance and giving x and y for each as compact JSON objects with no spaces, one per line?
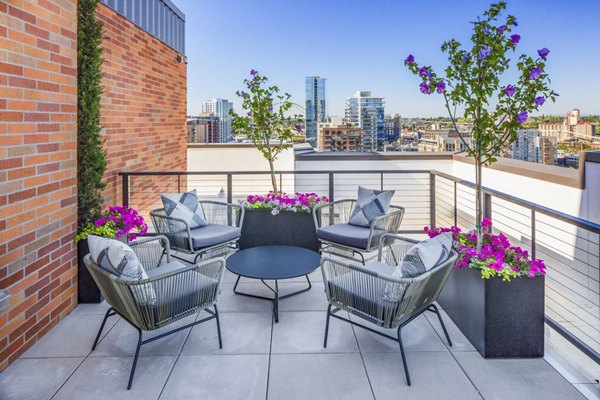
{"x":500,"y":319}
{"x":87,"y":290}
{"x":261,"y":228}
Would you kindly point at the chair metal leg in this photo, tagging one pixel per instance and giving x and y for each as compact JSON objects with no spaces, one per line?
{"x":327,"y":326}
{"x":403,"y":355}
{"x":218,"y":327}
{"x":137,"y":353}
{"x":434,"y":308}
{"x":109,"y":312}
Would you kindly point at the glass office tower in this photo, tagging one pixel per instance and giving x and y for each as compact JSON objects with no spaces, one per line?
{"x":316,"y":107}
{"x":367,"y":112}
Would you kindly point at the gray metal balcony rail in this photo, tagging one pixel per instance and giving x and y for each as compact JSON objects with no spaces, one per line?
{"x":570,"y":246}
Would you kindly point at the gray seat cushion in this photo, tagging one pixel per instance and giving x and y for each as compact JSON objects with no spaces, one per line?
{"x":349,"y":235}
{"x":206,"y":236}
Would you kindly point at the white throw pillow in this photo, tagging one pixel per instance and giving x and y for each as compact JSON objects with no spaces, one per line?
{"x":184,"y":206}
{"x":118,"y":258}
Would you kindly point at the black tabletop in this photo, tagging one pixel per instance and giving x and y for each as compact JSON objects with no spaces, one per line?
{"x":273,"y":262}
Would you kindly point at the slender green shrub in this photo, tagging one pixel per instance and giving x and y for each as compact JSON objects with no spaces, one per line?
{"x":91,"y":157}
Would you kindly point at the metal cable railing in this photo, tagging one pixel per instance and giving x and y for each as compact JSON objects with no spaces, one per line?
{"x":570,"y":246}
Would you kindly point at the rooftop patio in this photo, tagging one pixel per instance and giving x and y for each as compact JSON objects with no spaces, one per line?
{"x":262,"y":359}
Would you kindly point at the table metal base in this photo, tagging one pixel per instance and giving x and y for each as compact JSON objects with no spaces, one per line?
{"x":275,"y":299}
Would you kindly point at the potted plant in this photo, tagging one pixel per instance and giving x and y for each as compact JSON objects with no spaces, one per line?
{"x":495,"y":294}
{"x":91,"y":157}
{"x":474,"y":83}
{"x":280,"y":219}
{"x":117,"y":222}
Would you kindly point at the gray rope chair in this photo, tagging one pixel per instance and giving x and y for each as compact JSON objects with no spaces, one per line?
{"x":217,"y":239}
{"x":341,"y":239}
{"x":178,"y":291}
{"x":365,"y":291}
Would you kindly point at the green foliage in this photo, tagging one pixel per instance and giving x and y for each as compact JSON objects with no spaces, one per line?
{"x":107,"y":230}
{"x":268,"y":122}
{"x":474,"y":81}
{"x":91,"y":157}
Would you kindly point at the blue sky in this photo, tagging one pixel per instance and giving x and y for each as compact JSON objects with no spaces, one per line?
{"x":361,"y":45}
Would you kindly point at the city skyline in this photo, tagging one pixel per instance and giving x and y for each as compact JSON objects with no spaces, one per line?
{"x":283,"y":46}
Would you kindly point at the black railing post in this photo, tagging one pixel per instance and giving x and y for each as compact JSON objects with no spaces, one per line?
{"x":487,"y":206}
{"x":455,"y":205}
{"x":178,"y":183}
{"x":533,"y":234}
{"x":331,"y":192}
{"x":229,"y":196}
{"x":381,"y":181}
{"x":431,"y":199}
{"x":125,"y":193}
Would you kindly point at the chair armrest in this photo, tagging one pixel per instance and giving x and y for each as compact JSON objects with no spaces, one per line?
{"x":389,"y":222}
{"x":150,"y":250}
{"x":217,"y":212}
{"x":163,"y":224}
{"x":212,"y":268}
{"x":341,"y":267}
{"x":332,"y":206}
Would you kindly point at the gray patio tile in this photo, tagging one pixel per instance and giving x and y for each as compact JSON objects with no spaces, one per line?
{"x":315,"y":276}
{"x":434,"y":375}
{"x":528,"y":379}
{"x":242,"y":333}
{"x":35,"y":379}
{"x":313,"y":300}
{"x":302,"y":332}
{"x":122,"y":340}
{"x":416,"y":336}
{"x":106,"y":377}
{"x":227,"y":377}
{"x":318,"y":376}
{"x":569,"y":361}
{"x":92,"y":308}
{"x":231,"y":302}
{"x":71,"y":337}
{"x":459,"y":341}
{"x":589,"y":390}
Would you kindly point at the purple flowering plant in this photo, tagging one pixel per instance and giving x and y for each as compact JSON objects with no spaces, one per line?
{"x":116,"y":222}
{"x":474,"y":82}
{"x":267,"y":119}
{"x":497,"y":257}
{"x":299,"y":202}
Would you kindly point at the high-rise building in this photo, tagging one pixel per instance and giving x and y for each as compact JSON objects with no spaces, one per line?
{"x":334,"y":137}
{"x":531,"y":145}
{"x":393,"y":127}
{"x":203,"y":128}
{"x":220,"y":108}
{"x":316,"y":107}
{"x":367,"y":112}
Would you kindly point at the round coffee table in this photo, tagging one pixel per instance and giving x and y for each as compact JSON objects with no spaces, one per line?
{"x":273,"y":263}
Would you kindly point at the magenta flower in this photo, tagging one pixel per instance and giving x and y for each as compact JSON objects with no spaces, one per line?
{"x":509,"y":90}
{"x":522,"y":117}
{"x":299,"y":128}
{"x":249,"y":113}
{"x":441,"y":87}
{"x":423,"y":72}
{"x":253,"y":72}
{"x":409,"y":60}
{"x":501,"y":29}
{"x":515,"y":39}
{"x":465,"y":57}
{"x":484,"y":52}
{"x":543,"y":53}
{"x":535,"y":73}
{"x":539,"y":100}
{"x":424,"y":88}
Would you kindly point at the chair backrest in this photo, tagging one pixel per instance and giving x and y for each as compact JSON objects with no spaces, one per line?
{"x":425,"y":289}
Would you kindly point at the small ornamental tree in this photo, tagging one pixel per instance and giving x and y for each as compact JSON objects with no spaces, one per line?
{"x":473,"y":82}
{"x":91,"y":158}
{"x":267,"y":122}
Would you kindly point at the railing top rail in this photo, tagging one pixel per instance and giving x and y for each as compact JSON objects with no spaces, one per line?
{"x":579,"y":222}
{"x":307,"y":172}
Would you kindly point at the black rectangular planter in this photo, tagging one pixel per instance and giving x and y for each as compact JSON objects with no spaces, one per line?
{"x":501,"y":319}
{"x":87,"y":290}
{"x":261,"y":228}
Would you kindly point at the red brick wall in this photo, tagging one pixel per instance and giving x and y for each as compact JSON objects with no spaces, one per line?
{"x":38,"y":193}
{"x":143,"y":109}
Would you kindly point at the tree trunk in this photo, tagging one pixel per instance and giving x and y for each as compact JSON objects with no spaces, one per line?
{"x":478,"y":202}
{"x":273,"y":177}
